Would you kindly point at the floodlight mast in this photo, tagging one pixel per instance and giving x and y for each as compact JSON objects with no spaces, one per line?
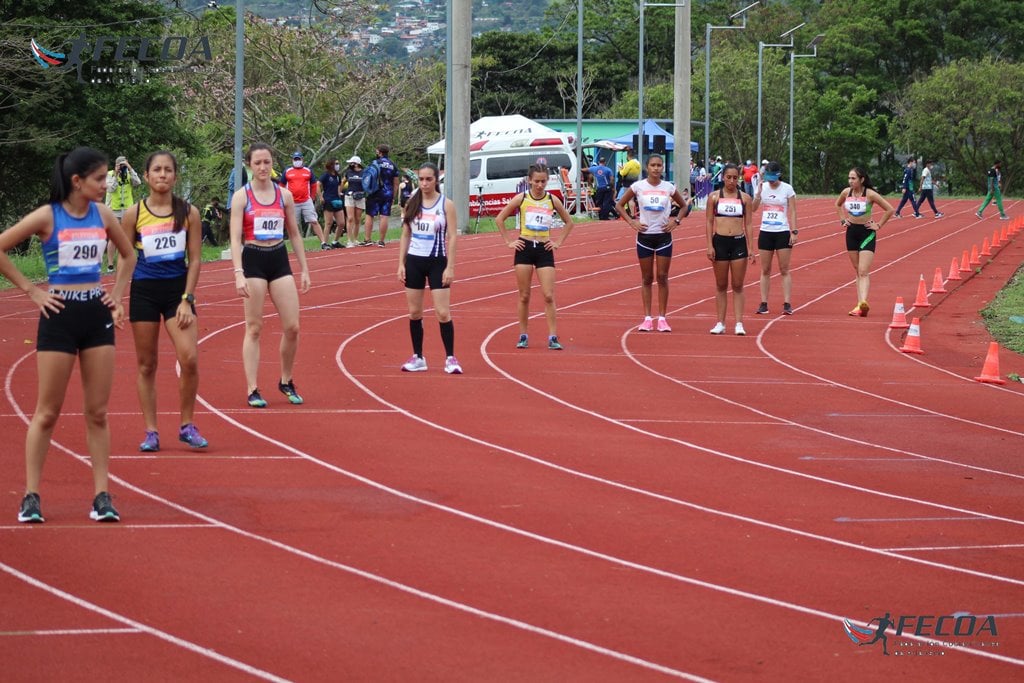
{"x":708,"y":28}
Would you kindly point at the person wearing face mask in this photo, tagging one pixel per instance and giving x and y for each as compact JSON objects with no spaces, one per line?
{"x":302,"y":183}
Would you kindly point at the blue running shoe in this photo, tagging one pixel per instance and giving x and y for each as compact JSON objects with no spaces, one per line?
{"x":190,"y":434}
{"x":288,"y":389}
{"x":151,"y":444}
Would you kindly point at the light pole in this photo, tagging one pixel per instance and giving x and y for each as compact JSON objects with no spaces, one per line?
{"x":760,"y":67}
{"x":640,"y":73}
{"x":708,"y":28}
{"x":792,"y":58}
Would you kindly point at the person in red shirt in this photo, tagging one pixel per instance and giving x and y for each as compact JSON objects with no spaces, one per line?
{"x":749,"y":169}
{"x":302,"y":183}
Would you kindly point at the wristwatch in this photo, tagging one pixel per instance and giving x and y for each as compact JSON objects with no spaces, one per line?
{"x":795,"y":232}
{"x":188,"y":298}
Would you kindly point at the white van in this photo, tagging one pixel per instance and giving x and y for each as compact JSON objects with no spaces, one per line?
{"x":501,"y":151}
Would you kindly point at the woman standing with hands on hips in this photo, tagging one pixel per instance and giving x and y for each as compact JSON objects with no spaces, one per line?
{"x":261,"y":213}
{"x":654,"y":228}
{"x":534,"y":248}
{"x":168,"y":239}
{"x":854,"y":206}
{"x":426,"y":254}
{"x":730,"y":245}
{"x":77,"y":317}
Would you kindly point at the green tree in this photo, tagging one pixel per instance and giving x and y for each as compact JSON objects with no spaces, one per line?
{"x":968,"y":114}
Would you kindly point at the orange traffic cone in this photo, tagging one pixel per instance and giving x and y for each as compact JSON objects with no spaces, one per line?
{"x":912,"y":344}
{"x":922,"y":295}
{"x":937,"y":287}
{"x":899,"y":316}
{"x":965,"y":264}
{"x":990,"y":371}
{"x":975,"y":259}
{"x":1004,"y":236}
{"x":954,"y":272}
{"x":996,"y":243}
{"x":985,"y":251}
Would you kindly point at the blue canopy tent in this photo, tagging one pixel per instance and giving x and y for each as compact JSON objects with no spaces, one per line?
{"x":651,"y":129}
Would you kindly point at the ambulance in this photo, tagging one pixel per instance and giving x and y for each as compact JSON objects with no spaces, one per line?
{"x":501,"y":151}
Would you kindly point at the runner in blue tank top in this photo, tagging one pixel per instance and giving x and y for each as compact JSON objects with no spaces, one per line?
{"x":77,"y":316}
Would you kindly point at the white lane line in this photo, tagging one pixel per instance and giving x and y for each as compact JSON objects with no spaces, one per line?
{"x":369,"y":576}
{"x":74,"y":632}
{"x":139,"y":626}
{"x":992,"y":546}
{"x":902,"y":520}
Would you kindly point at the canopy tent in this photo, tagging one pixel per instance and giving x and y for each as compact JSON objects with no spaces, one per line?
{"x":651,"y":128}
{"x":513,"y":130}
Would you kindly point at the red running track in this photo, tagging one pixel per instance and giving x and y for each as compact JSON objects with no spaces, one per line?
{"x":638,"y":506}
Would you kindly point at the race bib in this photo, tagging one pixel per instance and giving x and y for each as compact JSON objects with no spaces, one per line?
{"x":161,"y":243}
{"x":653,"y":200}
{"x":425,"y":226}
{"x":80,"y":250}
{"x":539,"y":218}
{"x":732,"y":208}
{"x":267,"y":225}
{"x":774,"y":215}
{"x":856,"y":206}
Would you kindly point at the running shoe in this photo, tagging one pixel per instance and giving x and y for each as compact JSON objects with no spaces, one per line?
{"x":451,"y":366}
{"x":787,"y":309}
{"x":917,"y":215}
{"x":1004,"y":218}
{"x":896,"y":215}
{"x":30,"y":511}
{"x":553,"y":344}
{"x":103,"y":509}
{"x":337,"y":245}
{"x":415,"y":364}
{"x":719,"y":328}
{"x":151,"y":444}
{"x":350,"y":244}
{"x":763,"y":308}
{"x":324,"y":246}
{"x":978,"y":214}
{"x":740,"y":332}
{"x":255,"y":400}
{"x":288,"y":389}
{"x":663,"y":325}
{"x":190,"y":434}
{"x":647,"y":325}
{"x":524,"y":342}
{"x":366,"y":243}
{"x":381,"y":244}
{"x":939,"y":214}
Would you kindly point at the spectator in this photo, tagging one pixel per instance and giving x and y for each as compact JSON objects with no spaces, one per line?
{"x":212,"y":221}
{"x":604,"y":181}
{"x":749,"y":170}
{"x":334,"y":205}
{"x":927,"y":189}
{"x":302,"y":183}
{"x":355,"y":198}
{"x":908,"y":182}
{"x":120,"y":196}
{"x":379,"y":204}
{"x":994,"y":181}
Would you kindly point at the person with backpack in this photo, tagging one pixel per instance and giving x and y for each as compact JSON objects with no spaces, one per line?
{"x":380,"y":183}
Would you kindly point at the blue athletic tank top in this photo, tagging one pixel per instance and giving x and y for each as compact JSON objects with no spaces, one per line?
{"x":73,"y":253}
{"x":160,"y":250}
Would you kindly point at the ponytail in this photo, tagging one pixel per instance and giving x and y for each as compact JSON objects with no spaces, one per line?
{"x":80,"y":161}
{"x":414,"y":204}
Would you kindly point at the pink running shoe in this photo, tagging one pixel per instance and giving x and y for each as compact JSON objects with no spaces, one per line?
{"x":663,"y":325}
{"x":647,"y":325}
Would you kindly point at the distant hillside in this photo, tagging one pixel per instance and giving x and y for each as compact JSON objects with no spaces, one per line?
{"x":400,"y":30}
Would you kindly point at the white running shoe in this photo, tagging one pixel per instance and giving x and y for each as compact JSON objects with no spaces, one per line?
{"x":451,"y":366}
{"x":415,"y":364}
{"x":739,"y":330}
{"x":719,"y":328}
